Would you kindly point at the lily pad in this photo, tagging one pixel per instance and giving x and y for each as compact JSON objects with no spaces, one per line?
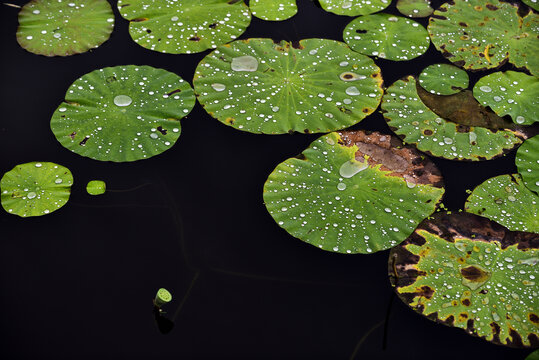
{"x":96,"y":187}
{"x":123,"y":113}
{"x":414,"y":8}
{"x":353,"y":192}
{"x":479,"y":34}
{"x":316,"y":85}
{"x":506,"y":200}
{"x":527,"y":162}
{"x":443,"y":79}
{"x":472,"y":133}
{"x":510,"y":93}
{"x":534,"y":4}
{"x":62,"y":28}
{"x":465,"y":271}
{"x":186,"y":26}
{"x":354,"y":7}
{"x":273,"y":10}
{"x":35,"y":188}
{"x":387,"y":36}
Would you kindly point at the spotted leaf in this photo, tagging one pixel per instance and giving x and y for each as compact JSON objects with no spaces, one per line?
{"x":443,"y":79}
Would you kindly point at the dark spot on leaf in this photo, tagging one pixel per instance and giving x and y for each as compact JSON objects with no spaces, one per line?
{"x":533,"y":318}
{"x":194,"y":38}
{"x":439,"y":17}
{"x":297,"y":45}
{"x":361,"y":31}
{"x":425,"y":291}
{"x":161,"y":130}
{"x":427,"y":132}
{"x":301,"y":157}
{"x":230,"y":120}
{"x":466,"y":302}
{"x":366,"y":110}
{"x":83,"y":142}
{"x":462,"y":23}
{"x":174,"y":92}
{"x":139,"y":19}
{"x":213,"y":26}
{"x":307,"y":131}
{"x":492,"y":7}
{"x":148,"y":31}
{"x":72,"y":135}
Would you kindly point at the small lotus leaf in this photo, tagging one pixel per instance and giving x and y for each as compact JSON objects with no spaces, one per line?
{"x":273,"y":10}
{"x":465,"y":271}
{"x":387,"y":36}
{"x":186,"y":26}
{"x":510,"y":93}
{"x":506,"y":200}
{"x":527,"y":162}
{"x":354,"y":7}
{"x":62,"y":28}
{"x":96,"y":187}
{"x":479,"y":34}
{"x":414,"y":8}
{"x":123,"y":113}
{"x":534,"y":4}
{"x":443,"y":79}
{"x":259,"y":86}
{"x":353,"y":192}
{"x":35,"y":188}
{"x":472,"y":134}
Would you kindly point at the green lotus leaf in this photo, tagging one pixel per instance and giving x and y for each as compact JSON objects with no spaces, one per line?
{"x":123,"y":113}
{"x":461,"y":130}
{"x":527,"y":162}
{"x":414,"y":8}
{"x":186,"y":26}
{"x":465,"y":271}
{"x":96,"y":187}
{"x":387,"y":36}
{"x":534,"y":355}
{"x":354,"y":7}
{"x":273,"y":10}
{"x":353,"y":192}
{"x":506,"y":200}
{"x":510,"y":93}
{"x":534,"y":4}
{"x":316,"y":85}
{"x":443,"y":79}
{"x":35,"y":188}
{"x":62,"y":28}
{"x":479,"y":34}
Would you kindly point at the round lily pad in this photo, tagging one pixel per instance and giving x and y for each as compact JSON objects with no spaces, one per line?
{"x":186,"y":26}
{"x":414,"y":8}
{"x":96,"y":187}
{"x":527,"y":162}
{"x":443,"y":79}
{"x":479,"y":34}
{"x":506,"y":200}
{"x":473,"y":134}
{"x":123,"y":113}
{"x":353,"y":192}
{"x":316,"y":85}
{"x":387,"y":36}
{"x":61,"y":28}
{"x":510,"y":93}
{"x":465,"y":271}
{"x":354,"y":7}
{"x":35,"y":188}
{"x":273,"y":10}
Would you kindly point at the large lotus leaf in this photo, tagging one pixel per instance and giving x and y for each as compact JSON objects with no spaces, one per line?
{"x":316,"y":85}
{"x":273,"y":10}
{"x":443,"y":79}
{"x":35,"y":188}
{"x":527,"y":162}
{"x":467,"y":137}
{"x":465,"y":271}
{"x":186,"y":26}
{"x":353,"y":192}
{"x":414,"y":8}
{"x":61,"y":28}
{"x":387,"y":36}
{"x":535,"y":5}
{"x":354,"y":7}
{"x":123,"y":113}
{"x":510,"y":93}
{"x":506,"y":200}
{"x":479,"y":34}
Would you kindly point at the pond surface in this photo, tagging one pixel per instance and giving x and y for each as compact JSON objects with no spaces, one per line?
{"x":79,"y":283}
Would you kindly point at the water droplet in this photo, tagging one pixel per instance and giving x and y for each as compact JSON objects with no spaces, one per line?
{"x":175,"y":130}
{"x":351,"y":168}
{"x":335,"y":248}
{"x":313,"y":52}
{"x":38,"y":164}
{"x":529,"y":261}
{"x":122,"y":100}
{"x":460,"y":246}
{"x":485,"y":88}
{"x":154,"y":135}
{"x":473,"y":137}
{"x":346,"y":4}
{"x":275,"y":108}
{"x":387,"y":210}
{"x":218,"y":87}
{"x":347,"y":101}
{"x":341,"y":186}
{"x":520,"y":119}
{"x":352,"y":90}
{"x":36,"y":12}
{"x":393,"y":19}
{"x":448,"y":140}
{"x":511,"y":198}
{"x":31,"y":195}
{"x":58,"y":181}
{"x":174,"y":18}
{"x":497,"y":98}
{"x":57,"y":35}
{"x":330,"y":141}
{"x":343,"y":63}
{"x":244,"y":63}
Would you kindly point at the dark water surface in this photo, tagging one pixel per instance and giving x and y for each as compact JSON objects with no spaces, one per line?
{"x":79,"y":283}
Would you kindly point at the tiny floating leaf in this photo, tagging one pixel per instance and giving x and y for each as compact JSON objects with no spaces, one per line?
{"x":354,"y":7}
{"x":465,"y":271}
{"x":123,"y":113}
{"x":273,"y":10}
{"x":527,"y":162}
{"x":35,"y":188}
{"x":443,"y":79}
{"x":353,"y":192}
{"x":96,"y":187}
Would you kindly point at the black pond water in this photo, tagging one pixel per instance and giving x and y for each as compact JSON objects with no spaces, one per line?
{"x":79,"y":283}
